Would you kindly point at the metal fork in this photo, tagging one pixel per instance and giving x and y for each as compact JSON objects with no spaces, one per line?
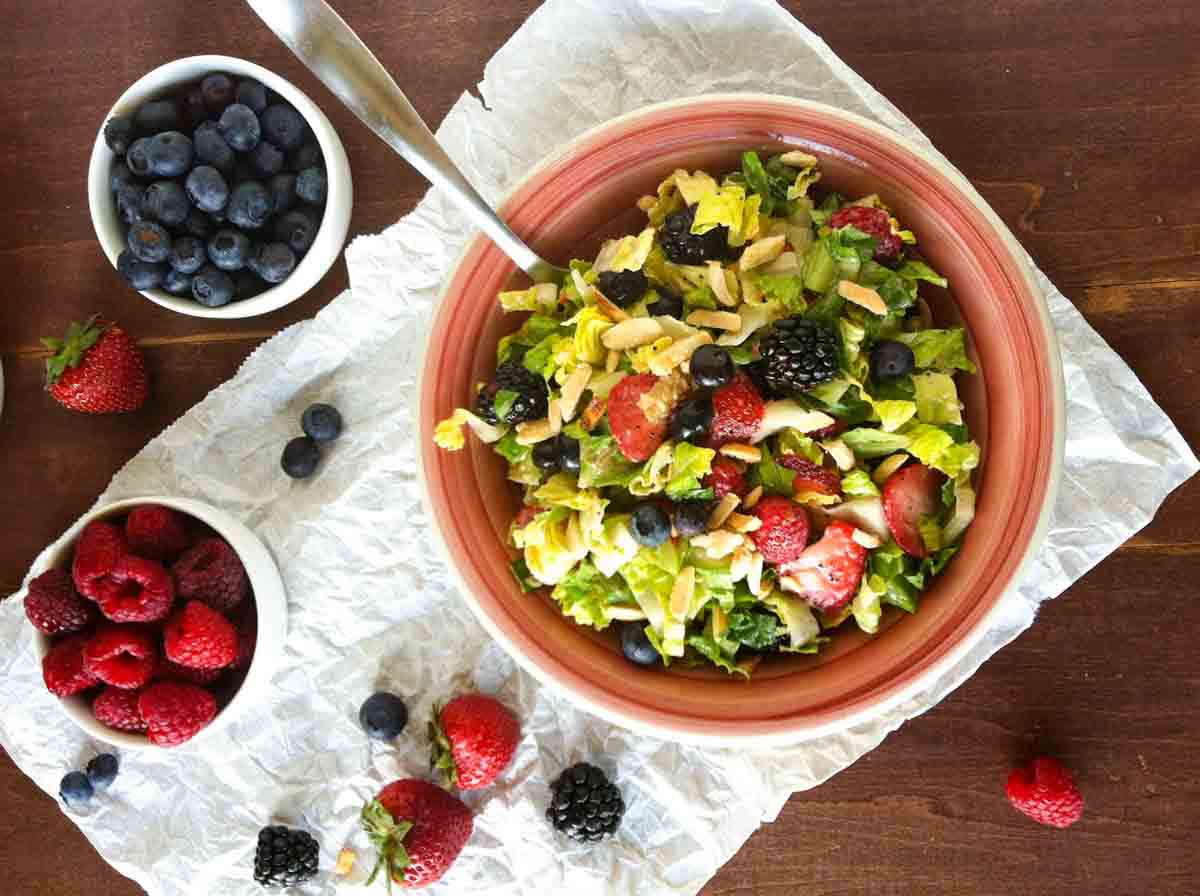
{"x":336,"y":55}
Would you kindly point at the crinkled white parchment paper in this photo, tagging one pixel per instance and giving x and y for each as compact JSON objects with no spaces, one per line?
{"x":372,"y":606}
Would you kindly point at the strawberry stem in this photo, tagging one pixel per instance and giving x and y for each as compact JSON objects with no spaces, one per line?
{"x":441,"y":757}
{"x":71,"y":349}
{"x":387,"y":835}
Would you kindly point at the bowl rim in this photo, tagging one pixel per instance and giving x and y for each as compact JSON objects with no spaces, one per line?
{"x":793,"y":730}
{"x":335,"y":222}
{"x":270,"y":599}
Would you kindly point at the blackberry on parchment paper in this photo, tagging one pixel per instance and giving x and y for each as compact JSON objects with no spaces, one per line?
{"x":798,"y":354}
{"x":284,"y":857}
{"x":584,"y":804}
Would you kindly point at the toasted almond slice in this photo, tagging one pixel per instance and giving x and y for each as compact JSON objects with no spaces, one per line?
{"x":751,"y":454}
{"x":681,"y":593}
{"x":752,"y":498}
{"x":612,"y":361}
{"x":863,"y":296}
{"x":743,"y":522}
{"x":554,"y":417}
{"x":631,"y":333}
{"x":720,"y":622}
{"x":534,"y":431}
{"x":754,"y":580}
{"x":572,"y":391}
{"x":345,"y":862}
{"x":484,"y":431}
{"x":787,"y":583}
{"x":750,"y":663}
{"x":677,"y":352}
{"x":786,"y":263}
{"x":610,"y":310}
{"x":720,"y":513}
{"x":718,"y":320}
{"x":887,"y":467}
{"x":762,"y":251}
{"x":592,"y":413}
{"x":626,"y":614}
{"x":751,"y":293}
{"x":784,"y":413}
{"x":841,"y":454}
{"x":718,"y":544}
{"x":866,"y":539}
{"x":794,"y":158}
{"x":719,"y":284}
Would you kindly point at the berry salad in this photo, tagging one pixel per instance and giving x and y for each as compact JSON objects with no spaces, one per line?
{"x":737,"y":429}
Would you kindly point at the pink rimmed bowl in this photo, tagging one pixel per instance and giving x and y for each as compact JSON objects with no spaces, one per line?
{"x":584,"y":193}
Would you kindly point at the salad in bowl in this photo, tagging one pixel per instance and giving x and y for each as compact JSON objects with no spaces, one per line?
{"x":736,"y":429}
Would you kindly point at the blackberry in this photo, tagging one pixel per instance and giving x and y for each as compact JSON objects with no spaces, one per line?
{"x":585,"y":806}
{"x":532,"y":401}
{"x":799,"y":353}
{"x":622,"y":288}
{"x":284,"y":857}
{"x":684,"y":247}
{"x":757,"y":371}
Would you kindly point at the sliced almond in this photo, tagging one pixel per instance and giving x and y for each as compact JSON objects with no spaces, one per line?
{"x":762,"y":251}
{"x":786,"y":263}
{"x":681,"y":594}
{"x":794,"y":158}
{"x":345,"y":862}
{"x":631,"y":333}
{"x":534,"y":431}
{"x":718,"y":544}
{"x":626,"y":614}
{"x":572,"y":391}
{"x":554,"y":417}
{"x":841,"y":454}
{"x":785,"y":413}
{"x":751,"y":294}
{"x":752,"y":498}
{"x":677,"y":352}
{"x":719,"y":284}
{"x":612,"y":361}
{"x":593,"y":413}
{"x":718,"y":320}
{"x":866,"y":539}
{"x":863,"y":296}
{"x":720,"y":622}
{"x":887,"y":467}
{"x":743,"y":522}
{"x":754,"y":579}
{"x":484,"y":431}
{"x":751,"y":454}
{"x":610,"y":310}
{"x":720,"y":513}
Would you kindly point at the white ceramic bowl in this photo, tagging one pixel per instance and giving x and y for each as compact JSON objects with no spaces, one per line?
{"x":269,"y":597}
{"x":334,"y":226}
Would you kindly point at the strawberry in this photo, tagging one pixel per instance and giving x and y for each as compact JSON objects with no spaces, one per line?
{"x":636,"y":436}
{"x":737,"y":411}
{"x":124,"y":656}
{"x":156,"y":532}
{"x":99,"y":548}
{"x":136,"y":590}
{"x":474,"y":739}
{"x":63,"y":669}
{"x":726,"y":477}
{"x":783,"y":534}
{"x":97,"y":368}
{"x":118,"y":708}
{"x":1046,"y":792}
{"x":175,"y":712}
{"x":200,"y":637}
{"x":53,"y":607}
{"x":828,"y":572}
{"x":810,"y":478}
{"x":909,"y":494}
{"x":418,"y":829}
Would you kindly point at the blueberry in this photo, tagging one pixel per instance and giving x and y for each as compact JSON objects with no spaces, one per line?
{"x":300,"y":457}
{"x":311,"y":185}
{"x":212,"y":287}
{"x":149,"y":241}
{"x":282,"y":188}
{"x":166,"y":202}
{"x":667,"y":305}
{"x":211,"y":148}
{"x":129,"y":202}
{"x":119,"y":134}
{"x":157,"y":116}
{"x":194,"y":106}
{"x":75,"y":789}
{"x":170,"y":154}
{"x":187,"y":254}
{"x":245,"y":284}
{"x":636,"y":645}
{"x":251,"y":93}
{"x":298,"y":229}
{"x":321,"y":422}
{"x":140,"y":274}
{"x":119,"y":176}
{"x":690,"y":421}
{"x":138,"y":157}
{"x":218,"y":92}
{"x":229,"y":249}
{"x":891,"y":360}
{"x":198,"y":224}
{"x":266,"y":160}
{"x":649,"y":525}
{"x":307,"y":156}
{"x":102,"y":771}
{"x":691,"y":518}
{"x":240,"y":128}
{"x":711,"y":367}
{"x":383,"y":716}
{"x":273,"y":262}
{"x":283,"y":126}
{"x":545,"y":455}
{"x":568,"y":454}
{"x":249,"y":205}
{"x":207,"y":189}
{"x":177,"y":283}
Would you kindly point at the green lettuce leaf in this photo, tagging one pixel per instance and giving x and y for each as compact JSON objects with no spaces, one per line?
{"x":535,"y":329}
{"x":774,"y":479}
{"x":791,"y":441}
{"x":867,"y":606}
{"x":939,"y":349}
{"x":787,"y":289}
{"x":915,"y":269}
{"x":769,"y":183}
{"x":586,"y":595}
{"x":689,"y":466}
{"x":857,"y":484}
{"x":601,"y":463}
{"x":711,"y":651}
{"x":755,"y":629}
{"x":508,"y":448}
{"x":714,"y":583}
{"x":868,"y":443}
{"x":831,"y":203}
{"x":525,"y":580}
{"x":937,"y":398}
{"x":612,"y":545}
{"x":562,"y":490}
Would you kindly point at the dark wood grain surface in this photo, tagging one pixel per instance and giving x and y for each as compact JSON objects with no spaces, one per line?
{"x":1077,"y":120}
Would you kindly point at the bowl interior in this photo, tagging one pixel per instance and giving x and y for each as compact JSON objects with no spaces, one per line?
{"x":587,"y":193}
{"x":331,"y":236}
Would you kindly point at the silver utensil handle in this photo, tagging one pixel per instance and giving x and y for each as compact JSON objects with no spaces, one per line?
{"x":336,"y":55}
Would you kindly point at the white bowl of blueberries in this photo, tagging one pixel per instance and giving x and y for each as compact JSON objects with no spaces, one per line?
{"x":218,"y":189}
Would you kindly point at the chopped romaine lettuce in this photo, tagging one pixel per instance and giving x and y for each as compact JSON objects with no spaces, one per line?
{"x":915,"y":269}
{"x":937,"y":398}
{"x":857,"y":484}
{"x":562,"y":490}
{"x":755,"y":629}
{"x":711,"y":650}
{"x":601,"y":463}
{"x":613,"y":545}
{"x":787,"y":289}
{"x":525,"y":580}
{"x":590,"y":325}
{"x":586,"y":595}
{"x":533,"y":332}
{"x":867,"y":606}
{"x":867,"y":443}
{"x":508,"y":448}
{"x":797,"y":616}
{"x":689,"y":466}
{"x":791,"y":441}
{"x":939,"y":349}
{"x":774,"y":479}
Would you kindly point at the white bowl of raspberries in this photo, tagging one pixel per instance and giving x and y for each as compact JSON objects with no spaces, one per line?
{"x":218,"y":189}
{"x":158,"y":620}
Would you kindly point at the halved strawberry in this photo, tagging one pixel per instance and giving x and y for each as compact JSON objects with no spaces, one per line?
{"x":726,"y":477}
{"x":828,"y":572}
{"x":783,"y":534}
{"x":810,"y":477}
{"x":909,"y":494}
{"x":636,"y":436}
{"x":737,"y":412}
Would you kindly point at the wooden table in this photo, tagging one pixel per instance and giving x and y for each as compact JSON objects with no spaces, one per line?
{"x":1077,"y":121}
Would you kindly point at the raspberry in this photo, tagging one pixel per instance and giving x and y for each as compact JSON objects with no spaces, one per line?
{"x":99,"y":548}
{"x":118,"y":708}
{"x":121,"y":655}
{"x":636,"y":435}
{"x":200,"y":637}
{"x":175,"y":712}
{"x":247,"y":641}
{"x":783,"y":534}
{"x":169,"y":671}
{"x":136,"y":590}
{"x":810,"y":477}
{"x":63,"y":670}
{"x":211,"y":572}
{"x":1045,"y":791}
{"x":726,"y":478}
{"x":873,"y":222}
{"x":737,"y":412}
{"x":156,"y":532}
{"x":53,"y":606}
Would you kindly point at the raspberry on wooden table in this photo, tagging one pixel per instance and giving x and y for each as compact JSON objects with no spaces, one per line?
{"x":1045,"y":791}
